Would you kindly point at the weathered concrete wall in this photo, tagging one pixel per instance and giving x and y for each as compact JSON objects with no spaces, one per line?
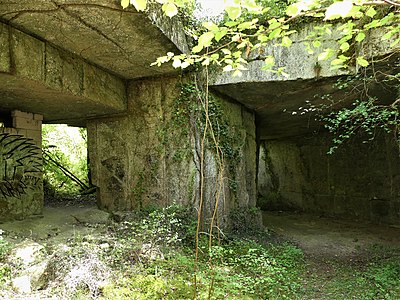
{"x":358,"y":181}
{"x":150,"y":157}
{"x":21,"y":178}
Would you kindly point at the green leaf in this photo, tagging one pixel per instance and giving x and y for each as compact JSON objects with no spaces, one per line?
{"x":292,"y":10}
{"x":197,"y":49}
{"x":387,"y":35}
{"x":220,"y":34}
{"x":345,"y":46}
{"x":274,"y":24}
{"x":286,"y":41}
{"x":140,"y":5}
{"x":252,"y":6}
{"x":233,"y":12}
{"x":231,"y":23}
{"x":275,"y":33}
{"x":170,"y":9}
{"x":237,"y":73}
{"x":185,"y":64}
{"x":206,"y":62}
{"x":262,"y":38}
{"x":246,"y":25}
{"x":337,"y":62}
{"x":205,"y":39}
{"x":211,"y":26}
{"x":395,"y":42}
{"x":362,"y":62}
{"x":124,"y":3}
{"x":316,"y":44}
{"x":326,"y":54}
{"x":269,"y":62}
{"x":360,"y":37}
{"x":226,"y":51}
{"x":227,"y":68}
{"x":371,"y":12}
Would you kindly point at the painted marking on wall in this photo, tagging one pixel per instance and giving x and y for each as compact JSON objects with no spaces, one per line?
{"x":20,"y":165}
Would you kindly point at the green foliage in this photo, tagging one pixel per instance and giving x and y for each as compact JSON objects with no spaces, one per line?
{"x":251,"y":25}
{"x":163,"y":228}
{"x":377,"y":279}
{"x":5,"y":270}
{"x":238,"y":269}
{"x":66,"y":147}
{"x":366,"y":117}
{"x":259,"y":272}
{"x":184,"y":111}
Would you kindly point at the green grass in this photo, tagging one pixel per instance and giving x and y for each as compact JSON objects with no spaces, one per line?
{"x":151,"y":255}
{"x":4,"y":266}
{"x":232,"y":269}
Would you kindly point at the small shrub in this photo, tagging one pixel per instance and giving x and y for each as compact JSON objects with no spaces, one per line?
{"x":5,"y":270}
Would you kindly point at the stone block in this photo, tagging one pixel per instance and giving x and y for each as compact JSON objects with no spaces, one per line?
{"x":28,"y":55}
{"x":8,"y":130}
{"x":29,"y":124}
{"x":21,"y":131}
{"x":35,"y":135}
{"x":4,"y":49}
{"x":21,"y":114}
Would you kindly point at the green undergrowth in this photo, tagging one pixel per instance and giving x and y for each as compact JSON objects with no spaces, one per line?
{"x":4,"y":267}
{"x":375,"y":276}
{"x":156,"y":260}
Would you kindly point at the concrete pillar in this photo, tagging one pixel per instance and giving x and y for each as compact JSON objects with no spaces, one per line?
{"x":150,"y":156}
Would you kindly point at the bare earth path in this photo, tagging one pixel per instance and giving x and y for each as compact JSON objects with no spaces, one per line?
{"x":330,"y":237}
{"x":333,"y":248}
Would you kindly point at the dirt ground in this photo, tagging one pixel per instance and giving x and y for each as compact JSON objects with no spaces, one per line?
{"x":333,"y":249}
{"x":56,"y":224}
{"x":317,"y":236}
{"x":329,"y":244}
{"x":330,"y":237}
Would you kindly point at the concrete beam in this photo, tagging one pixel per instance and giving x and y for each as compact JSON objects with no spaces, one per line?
{"x":124,"y":42}
{"x":40,"y":78}
{"x":277,"y":99}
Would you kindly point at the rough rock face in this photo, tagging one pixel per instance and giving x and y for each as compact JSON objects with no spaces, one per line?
{"x":358,"y":180}
{"x":21,"y":191}
{"x":149,"y":158}
{"x":31,"y":258}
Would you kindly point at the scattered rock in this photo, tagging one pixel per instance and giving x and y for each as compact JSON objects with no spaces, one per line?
{"x":28,"y":252}
{"x":32,"y":261}
{"x":22,"y":284}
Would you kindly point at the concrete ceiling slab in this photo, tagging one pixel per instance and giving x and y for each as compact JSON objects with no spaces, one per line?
{"x":280,"y":105}
{"x":57,"y":106}
{"x":123,"y":42}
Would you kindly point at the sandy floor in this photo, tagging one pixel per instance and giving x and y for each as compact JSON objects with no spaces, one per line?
{"x":329,"y":236}
{"x":55,"y":224}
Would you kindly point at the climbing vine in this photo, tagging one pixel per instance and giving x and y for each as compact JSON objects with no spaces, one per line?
{"x":247,"y":29}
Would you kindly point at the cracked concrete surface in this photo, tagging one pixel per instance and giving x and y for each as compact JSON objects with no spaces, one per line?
{"x":124,"y":42}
